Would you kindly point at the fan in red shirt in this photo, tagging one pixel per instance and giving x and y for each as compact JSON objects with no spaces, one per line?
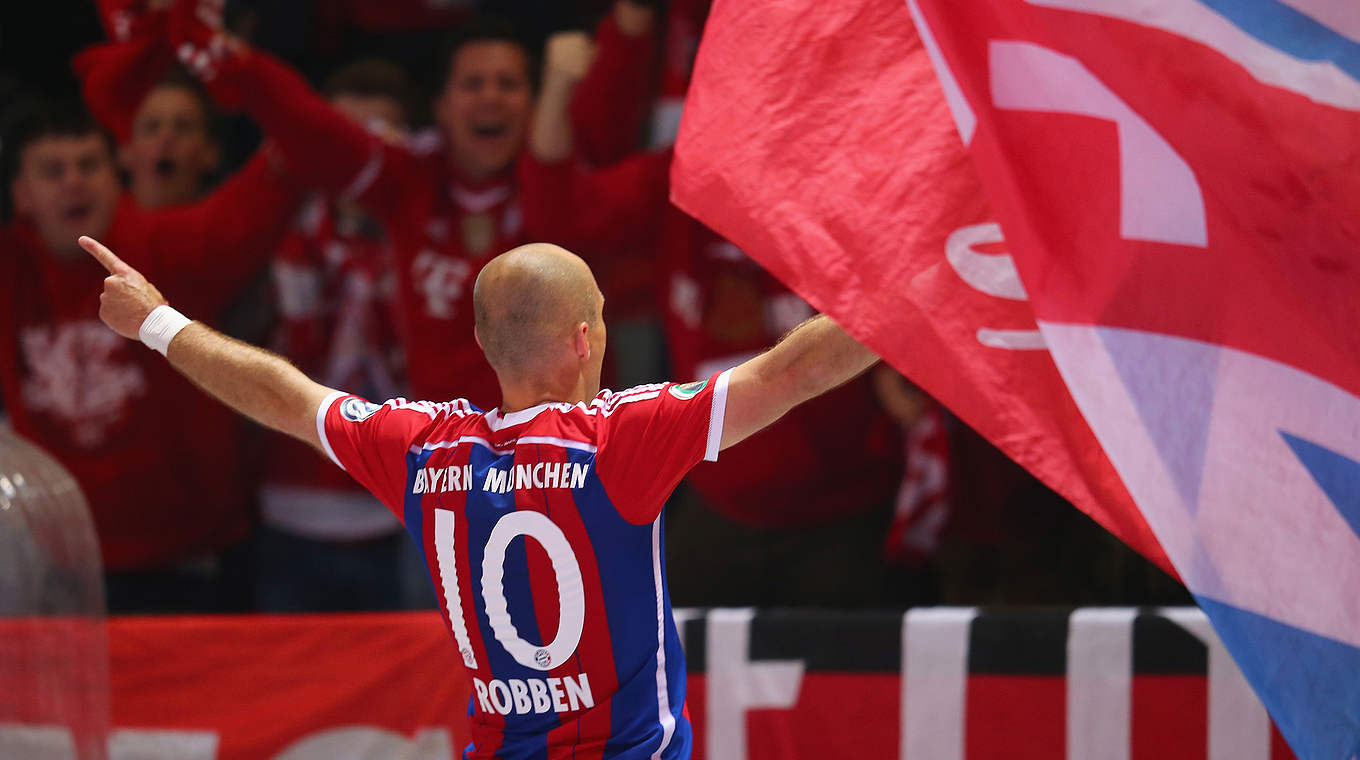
{"x":160,"y":116}
{"x":162,"y":120}
{"x":449,"y":203}
{"x":170,"y":156}
{"x":109,"y":413}
{"x":326,"y":544}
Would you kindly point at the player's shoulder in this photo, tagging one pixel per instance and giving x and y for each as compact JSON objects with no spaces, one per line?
{"x":635,"y":409}
{"x":607,"y":402}
{"x":428,"y":413}
{"x":650,"y":394}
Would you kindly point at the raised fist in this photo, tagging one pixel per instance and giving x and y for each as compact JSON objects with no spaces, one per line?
{"x":197,"y":35}
{"x":567,"y":57}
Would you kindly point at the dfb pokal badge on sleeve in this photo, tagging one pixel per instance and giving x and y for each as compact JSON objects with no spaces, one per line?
{"x":688,"y":390}
{"x":356,"y":409}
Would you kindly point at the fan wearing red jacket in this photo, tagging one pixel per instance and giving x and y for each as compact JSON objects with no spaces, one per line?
{"x":165,"y":501}
{"x":325,"y":544}
{"x":160,"y":116}
{"x":453,"y":202}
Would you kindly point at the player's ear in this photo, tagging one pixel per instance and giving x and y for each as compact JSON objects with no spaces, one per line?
{"x":581,"y":340}
{"x":478,"y":338}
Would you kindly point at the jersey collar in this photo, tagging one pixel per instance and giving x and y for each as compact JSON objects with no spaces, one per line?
{"x":496,"y":421}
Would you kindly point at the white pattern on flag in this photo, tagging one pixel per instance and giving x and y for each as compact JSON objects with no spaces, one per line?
{"x":1321,"y":81}
{"x":1224,"y":530}
{"x":1159,"y":197}
{"x":964,"y":118}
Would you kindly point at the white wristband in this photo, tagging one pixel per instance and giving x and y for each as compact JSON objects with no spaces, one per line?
{"x":161,"y":326}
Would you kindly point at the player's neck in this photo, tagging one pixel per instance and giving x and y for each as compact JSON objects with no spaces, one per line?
{"x":515,"y":398}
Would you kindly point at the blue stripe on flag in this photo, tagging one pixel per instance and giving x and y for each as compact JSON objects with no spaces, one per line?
{"x":1338,"y":476}
{"x":1295,"y":33}
{"x":1309,"y":683}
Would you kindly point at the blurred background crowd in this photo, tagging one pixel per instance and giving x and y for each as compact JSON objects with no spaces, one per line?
{"x":325,"y":178}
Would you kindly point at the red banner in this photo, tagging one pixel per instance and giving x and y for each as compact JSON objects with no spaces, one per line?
{"x":937,"y":684}
{"x":292,"y":686}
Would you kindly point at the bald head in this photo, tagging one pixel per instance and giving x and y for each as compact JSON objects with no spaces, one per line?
{"x":528,"y":302}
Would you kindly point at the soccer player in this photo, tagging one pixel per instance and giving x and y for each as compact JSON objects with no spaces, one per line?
{"x":539,"y":520}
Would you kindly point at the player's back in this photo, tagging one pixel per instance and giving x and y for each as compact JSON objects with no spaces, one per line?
{"x":541,"y":529}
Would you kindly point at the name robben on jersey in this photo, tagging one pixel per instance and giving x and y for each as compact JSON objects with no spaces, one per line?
{"x":533,"y":695}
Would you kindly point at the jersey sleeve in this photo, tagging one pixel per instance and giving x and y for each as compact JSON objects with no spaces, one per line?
{"x":371,"y":442}
{"x":652,"y":435}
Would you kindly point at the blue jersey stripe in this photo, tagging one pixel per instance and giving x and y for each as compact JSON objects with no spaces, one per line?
{"x":412,"y":514}
{"x":628,"y":578}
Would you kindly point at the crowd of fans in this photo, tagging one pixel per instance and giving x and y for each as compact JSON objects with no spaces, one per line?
{"x":348,"y":242}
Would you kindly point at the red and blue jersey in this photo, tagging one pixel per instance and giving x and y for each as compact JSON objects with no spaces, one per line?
{"x":541,"y":529}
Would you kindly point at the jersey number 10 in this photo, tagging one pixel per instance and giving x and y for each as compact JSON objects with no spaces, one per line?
{"x":571,"y":598}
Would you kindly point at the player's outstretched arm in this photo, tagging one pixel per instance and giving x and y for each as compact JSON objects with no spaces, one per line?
{"x":811,"y":360}
{"x":254,"y":382}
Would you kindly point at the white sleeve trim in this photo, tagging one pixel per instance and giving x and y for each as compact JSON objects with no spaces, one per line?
{"x":321,"y":424}
{"x":716,"y":415}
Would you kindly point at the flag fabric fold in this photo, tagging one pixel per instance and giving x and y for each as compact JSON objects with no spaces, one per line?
{"x":1168,"y":330}
{"x":830,"y":158}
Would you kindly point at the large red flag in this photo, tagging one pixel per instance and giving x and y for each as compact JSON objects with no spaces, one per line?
{"x":1179,"y":183}
{"x":817,"y":139}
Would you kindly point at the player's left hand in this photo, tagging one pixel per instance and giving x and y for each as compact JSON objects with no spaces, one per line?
{"x":127,"y":296}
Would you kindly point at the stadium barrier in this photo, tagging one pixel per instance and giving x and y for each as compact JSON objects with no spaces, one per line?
{"x":934,"y":684}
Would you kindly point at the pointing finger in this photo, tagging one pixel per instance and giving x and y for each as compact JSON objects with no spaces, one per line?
{"x":104,"y":256}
